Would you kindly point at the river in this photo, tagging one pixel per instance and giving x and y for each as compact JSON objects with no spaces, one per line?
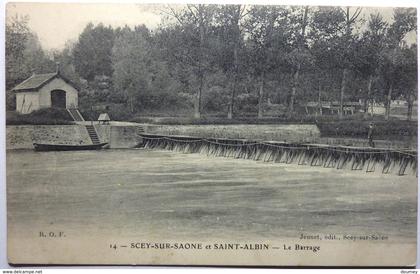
{"x":154,"y":194}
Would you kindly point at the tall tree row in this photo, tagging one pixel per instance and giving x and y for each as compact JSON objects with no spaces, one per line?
{"x":191,"y":44}
{"x":404,"y":21}
{"x":234,"y":60}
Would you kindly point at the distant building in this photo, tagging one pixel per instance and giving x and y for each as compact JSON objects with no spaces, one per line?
{"x":400,"y":101}
{"x":334,"y":107}
{"x":45,"y":91}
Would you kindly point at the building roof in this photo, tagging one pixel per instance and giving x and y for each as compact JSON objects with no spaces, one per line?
{"x":36,"y":81}
{"x":103,"y":117}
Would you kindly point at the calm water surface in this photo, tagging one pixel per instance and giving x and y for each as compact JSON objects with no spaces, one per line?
{"x":143,"y":193}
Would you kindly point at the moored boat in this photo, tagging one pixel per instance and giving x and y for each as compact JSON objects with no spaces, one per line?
{"x":60,"y":147}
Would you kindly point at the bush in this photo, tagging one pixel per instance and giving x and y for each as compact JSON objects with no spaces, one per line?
{"x":329,"y":126}
{"x":393,"y":129}
{"x":46,"y":116}
{"x":247,"y":102}
{"x":116,"y":112}
{"x":215,"y":99}
{"x":217,"y":120}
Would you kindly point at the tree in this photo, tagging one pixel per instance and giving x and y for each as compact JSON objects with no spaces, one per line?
{"x":408,"y":79}
{"x":300,"y":55}
{"x":347,"y":44}
{"x":263,"y":43}
{"x":141,"y":76}
{"x":368,"y":54}
{"x":93,"y":50}
{"x":405,"y":20}
{"x":17,"y":35}
{"x":190,"y":42}
{"x":326,"y":27}
{"x":65,"y":59}
{"x":230,"y":45}
{"x":131,"y":59}
{"x":334,"y":41}
{"x":24,"y":55}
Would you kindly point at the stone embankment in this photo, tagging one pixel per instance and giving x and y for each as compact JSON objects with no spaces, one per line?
{"x":126,"y":135}
{"x":22,"y":137}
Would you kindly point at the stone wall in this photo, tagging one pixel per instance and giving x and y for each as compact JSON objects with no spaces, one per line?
{"x":126,"y":136}
{"x":22,"y":137}
{"x":290,"y":133}
{"x":118,"y":136}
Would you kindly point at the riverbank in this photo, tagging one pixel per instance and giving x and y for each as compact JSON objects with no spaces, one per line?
{"x":287,"y":133}
{"x":126,"y":134}
{"x":352,"y":126}
{"x":117,"y":136}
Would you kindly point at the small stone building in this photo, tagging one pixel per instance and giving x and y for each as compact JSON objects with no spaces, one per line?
{"x":45,"y":91}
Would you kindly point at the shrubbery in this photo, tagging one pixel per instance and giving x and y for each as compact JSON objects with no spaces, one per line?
{"x":354,"y":126}
{"x":219,"y":120}
{"x":330,"y":126}
{"x":116,"y":112}
{"x":46,"y":116}
{"x":393,"y":129}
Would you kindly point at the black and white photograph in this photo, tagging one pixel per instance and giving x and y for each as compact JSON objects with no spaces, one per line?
{"x":211,"y":134}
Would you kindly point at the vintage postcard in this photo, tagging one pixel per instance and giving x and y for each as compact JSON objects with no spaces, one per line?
{"x":204,"y":134}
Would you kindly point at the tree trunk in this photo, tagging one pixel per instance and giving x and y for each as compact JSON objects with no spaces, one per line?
{"x":372,"y":107}
{"x":230,"y":112}
{"x":237,"y":36}
{"x":294,"y":88}
{"x":130,"y":101}
{"x":197,"y":103}
{"x":369,"y":91}
{"x":235,"y":80}
{"x":301,"y":44}
{"x":410,"y":111}
{"x":261,"y":97}
{"x":410,"y":102}
{"x":319,"y":99}
{"x":342,"y":91}
{"x":388,"y":102}
{"x":232,"y":99}
{"x":350,"y":19}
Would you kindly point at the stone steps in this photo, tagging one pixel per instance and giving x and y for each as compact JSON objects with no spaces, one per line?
{"x":92,"y":134}
{"x":75,"y":114}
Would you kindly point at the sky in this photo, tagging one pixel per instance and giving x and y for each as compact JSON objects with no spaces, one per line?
{"x":56,"y":23}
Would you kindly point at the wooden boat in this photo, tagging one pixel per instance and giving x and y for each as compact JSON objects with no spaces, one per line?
{"x":58,"y":147}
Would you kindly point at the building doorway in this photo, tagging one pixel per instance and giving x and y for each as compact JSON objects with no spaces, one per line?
{"x":58,"y":98}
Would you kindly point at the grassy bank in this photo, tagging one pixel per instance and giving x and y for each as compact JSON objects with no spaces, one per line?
{"x":354,"y":126}
{"x":330,"y":126}
{"x":243,"y":119}
{"x":383,"y":130}
{"x":47,"y":116}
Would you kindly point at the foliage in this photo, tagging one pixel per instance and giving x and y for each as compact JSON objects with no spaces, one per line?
{"x":24,"y":55}
{"x":92,"y":52}
{"x":46,"y":116}
{"x":394,"y":129}
{"x":233,"y":60}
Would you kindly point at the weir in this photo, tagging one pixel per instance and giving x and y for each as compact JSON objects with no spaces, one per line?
{"x":379,"y":160}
